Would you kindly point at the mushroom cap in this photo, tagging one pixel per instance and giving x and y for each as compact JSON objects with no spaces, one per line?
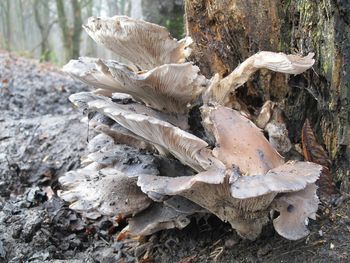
{"x":144,"y":44}
{"x":280,"y":62}
{"x":102,"y":192}
{"x":295,"y":209}
{"x":289,"y":177}
{"x":170,"y":88}
{"x":239,"y":143}
{"x":87,"y":70}
{"x":172,"y":213}
{"x":219,"y":89}
{"x":186,"y":147}
{"x":82,"y":100}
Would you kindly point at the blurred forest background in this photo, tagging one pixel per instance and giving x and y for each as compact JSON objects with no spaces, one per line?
{"x":51,"y":30}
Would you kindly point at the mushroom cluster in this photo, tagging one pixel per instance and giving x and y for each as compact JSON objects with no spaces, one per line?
{"x":149,"y":164}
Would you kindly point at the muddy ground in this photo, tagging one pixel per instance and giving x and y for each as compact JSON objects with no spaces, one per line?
{"x":41,"y":138}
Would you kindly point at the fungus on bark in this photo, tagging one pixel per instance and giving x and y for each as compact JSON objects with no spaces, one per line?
{"x":232,"y":171}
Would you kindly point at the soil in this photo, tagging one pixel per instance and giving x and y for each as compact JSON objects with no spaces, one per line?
{"x":41,"y":137}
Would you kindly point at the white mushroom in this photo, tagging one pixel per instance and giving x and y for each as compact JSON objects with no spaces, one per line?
{"x":102,"y":192}
{"x":170,"y":88}
{"x":295,"y":209}
{"x":186,"y":147}
{"x":172,"y":213}
{"x":279,"y":62}
{"x":144,"y":44}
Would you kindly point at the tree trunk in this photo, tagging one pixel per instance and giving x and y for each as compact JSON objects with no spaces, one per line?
{"x":70,"y":36}
{"x":226,"y":32}
{"x":77,"y":28}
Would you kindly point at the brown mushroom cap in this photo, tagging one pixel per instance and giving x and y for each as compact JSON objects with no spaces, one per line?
{"x":144,"y":44}
{"x":239,"y":143}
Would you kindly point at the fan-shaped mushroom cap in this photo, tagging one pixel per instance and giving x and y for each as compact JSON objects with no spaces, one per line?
{"x":241,"y":200}
{"x":172,"y":213}
{"x":211,"y":190}
{"x":295,"y":209}
{"x":86,"y":70}
{"x":120,"y":135}
{"x":239,"y":142}
{"x":103,"y":192}
{"x":82,"y":99}
{"x":289,"y":177}
{"x":144,"y":44}
{"x":265,"y":114}
{"x":169,"y":88}
{"x":279,"y":62}
{"x":186,"y":147}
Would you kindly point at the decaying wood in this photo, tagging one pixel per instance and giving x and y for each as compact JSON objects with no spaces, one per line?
{"x":313,"y":152}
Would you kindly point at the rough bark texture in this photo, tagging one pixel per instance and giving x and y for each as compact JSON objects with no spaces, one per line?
{"x":226,"y":32}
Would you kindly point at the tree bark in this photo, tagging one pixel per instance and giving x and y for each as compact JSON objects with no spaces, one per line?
{"x":226,"y":32}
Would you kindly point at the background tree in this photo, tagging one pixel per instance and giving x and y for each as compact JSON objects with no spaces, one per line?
{"x":70,"y":35}
{"x":226,"y":32}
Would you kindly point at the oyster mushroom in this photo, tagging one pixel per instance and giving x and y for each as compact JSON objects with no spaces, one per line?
{"x":279,"y":62}
{"x":239,"y":142}
{"x":170,"y":88}
{"x":144,"y":44}
{"x":172,"y":213}
{"x":295,"y":210}
{"x":103,"y":192}
{"x":243,"y":201}
{"x":186,"y":147}
{"x":240,"y":177}
{"x":272,"y":121}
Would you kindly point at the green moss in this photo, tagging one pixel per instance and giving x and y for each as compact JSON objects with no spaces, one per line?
{"x":174,"y":22}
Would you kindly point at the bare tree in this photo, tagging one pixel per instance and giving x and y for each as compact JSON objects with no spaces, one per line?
{"x":70,"y":36}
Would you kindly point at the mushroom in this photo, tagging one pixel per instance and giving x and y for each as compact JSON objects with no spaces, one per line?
{"x":170,"y":88}
{"x":219,"y":90}
{"x":295,"y":210}
{"x":240,"y":176}
{"x":102,"y":192}
{"x":243,"y":201}
{"x":186,"y":147}
{"x":271,"y":119}
{"x":239,"y":142}
{"x":82,"y":100}
{"x":172,"y":213}
{"x":144,"y":44}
